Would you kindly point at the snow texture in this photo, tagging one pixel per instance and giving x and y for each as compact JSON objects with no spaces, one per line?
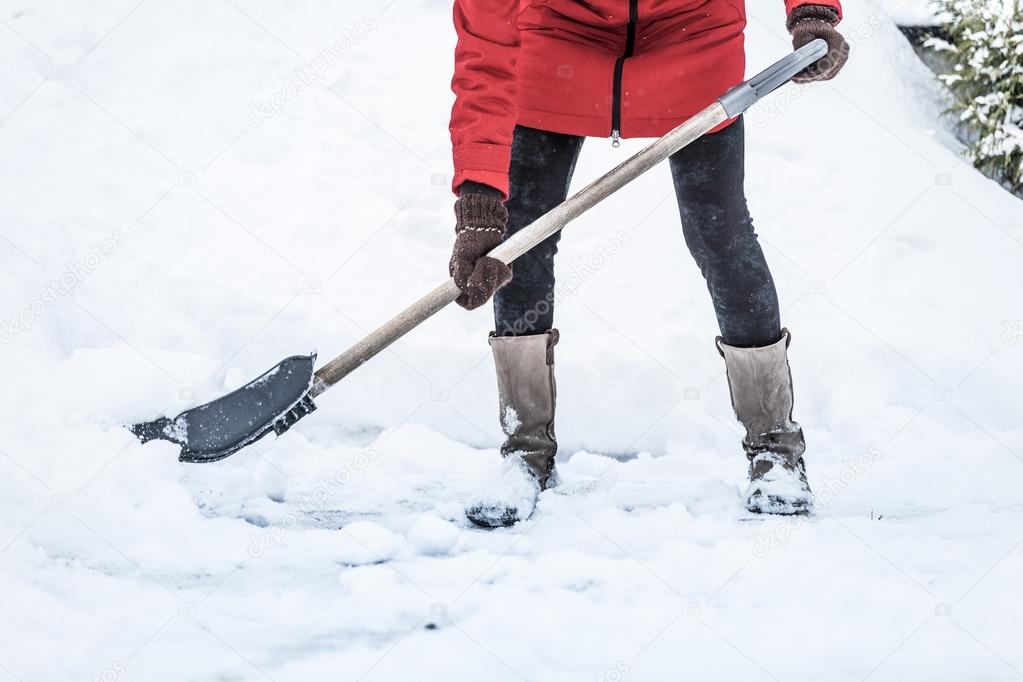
{"x":192,"y":191}
{"x":177,"y":430}
{"x":507,"y":495}
{"x":912,"y":12}
{"x":779,"y":491}
{"x":510,"y":420}
{"x":433,"y":535}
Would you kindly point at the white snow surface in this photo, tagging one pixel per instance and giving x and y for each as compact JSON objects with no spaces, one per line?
{"x":913,"y":12}
{"x":165,"y":237}
{"x":511,"y":487}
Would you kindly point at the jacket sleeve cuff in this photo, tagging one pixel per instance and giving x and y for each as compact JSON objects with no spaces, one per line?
{"x":833,"y":4}
{"x":482,"y":162}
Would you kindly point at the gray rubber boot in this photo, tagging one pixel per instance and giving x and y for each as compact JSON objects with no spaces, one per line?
{"x":526,"y":392}
{"x":760,"y":383}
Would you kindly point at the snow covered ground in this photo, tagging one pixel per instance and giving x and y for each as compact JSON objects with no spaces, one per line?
{"x":191,"y":191}
{"x":912,"y":12}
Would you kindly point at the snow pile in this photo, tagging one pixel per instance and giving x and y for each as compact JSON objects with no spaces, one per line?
{"x":195,"y":190}
{"x":912,"y":12}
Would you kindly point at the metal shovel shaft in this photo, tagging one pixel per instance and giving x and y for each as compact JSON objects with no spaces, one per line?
{"x":729,"y":105}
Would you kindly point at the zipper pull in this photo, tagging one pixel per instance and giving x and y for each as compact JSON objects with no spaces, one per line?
{"x":616,"y":139}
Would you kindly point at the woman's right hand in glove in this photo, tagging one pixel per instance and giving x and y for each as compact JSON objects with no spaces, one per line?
{"x":481,"y":221}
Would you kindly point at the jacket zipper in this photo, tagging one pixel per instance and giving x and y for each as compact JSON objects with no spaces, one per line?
{"x":616,"y":92}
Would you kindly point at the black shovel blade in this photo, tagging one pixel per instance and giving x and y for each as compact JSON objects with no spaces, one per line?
{"x":211,"y":432}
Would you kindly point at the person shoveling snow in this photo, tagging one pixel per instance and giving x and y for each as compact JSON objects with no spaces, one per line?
{"x":677,"y":73}
{"x":528,"y":91}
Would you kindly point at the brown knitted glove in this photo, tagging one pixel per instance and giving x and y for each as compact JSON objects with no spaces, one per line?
{"x":809,"y":22}
{"x":480,"y":223}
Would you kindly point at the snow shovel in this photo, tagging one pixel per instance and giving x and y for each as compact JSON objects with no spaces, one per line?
{"x":284,"y":394}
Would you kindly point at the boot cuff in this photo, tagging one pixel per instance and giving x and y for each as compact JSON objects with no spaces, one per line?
{"x":540,"y":342}
{"x":783,"y":343}
{"x":550,"y":338}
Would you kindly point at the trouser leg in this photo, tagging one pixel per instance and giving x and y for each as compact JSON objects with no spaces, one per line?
{"x":541,"y":169}
{"x":708,"y":176}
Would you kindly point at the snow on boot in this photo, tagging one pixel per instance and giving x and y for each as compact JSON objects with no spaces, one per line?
{"x":760,"y":384}
{"x":526,"y":392}
{"x":509,"y":498}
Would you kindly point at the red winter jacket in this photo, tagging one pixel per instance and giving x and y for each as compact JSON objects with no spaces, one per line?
{"x":634,"y":68}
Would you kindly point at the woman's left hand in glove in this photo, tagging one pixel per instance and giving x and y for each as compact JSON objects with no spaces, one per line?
{"x":809,"y":22}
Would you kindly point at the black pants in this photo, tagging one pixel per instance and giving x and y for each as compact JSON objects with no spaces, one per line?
{"x":708,"y":176}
